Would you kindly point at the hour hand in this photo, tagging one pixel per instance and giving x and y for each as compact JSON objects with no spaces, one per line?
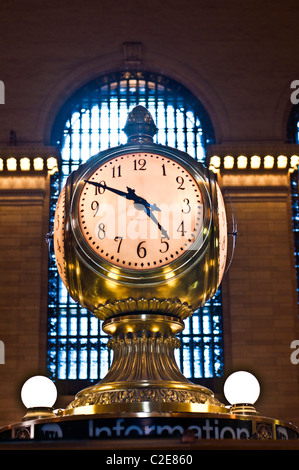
{"x":140,"y":200}
{"x":113,"y":190}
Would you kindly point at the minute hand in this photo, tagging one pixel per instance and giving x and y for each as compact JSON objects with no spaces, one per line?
{"x":130,"y":195}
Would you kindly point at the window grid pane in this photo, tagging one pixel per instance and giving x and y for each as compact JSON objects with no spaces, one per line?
{"x":92,"y":121}
{"x":295,"y":218}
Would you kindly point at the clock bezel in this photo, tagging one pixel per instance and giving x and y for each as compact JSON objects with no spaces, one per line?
{"x":108,"y":269}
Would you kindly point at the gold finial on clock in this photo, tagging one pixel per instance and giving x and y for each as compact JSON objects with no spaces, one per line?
{"x":140,"y":126}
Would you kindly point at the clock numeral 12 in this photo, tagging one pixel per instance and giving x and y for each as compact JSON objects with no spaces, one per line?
{"x":140,"y":164}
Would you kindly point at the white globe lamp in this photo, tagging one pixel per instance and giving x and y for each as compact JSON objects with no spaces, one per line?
{"x":39,"y":394}
{"x":242,"y":389}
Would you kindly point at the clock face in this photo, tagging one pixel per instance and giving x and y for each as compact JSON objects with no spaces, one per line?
{"x":141,"y":211}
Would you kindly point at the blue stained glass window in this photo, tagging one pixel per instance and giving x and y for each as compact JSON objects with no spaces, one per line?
{"x":295,"y":217}
{"x":92,"y":120}
{"x":293,"y":138}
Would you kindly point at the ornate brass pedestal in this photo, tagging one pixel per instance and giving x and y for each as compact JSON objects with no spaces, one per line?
{"x":144,"y":376}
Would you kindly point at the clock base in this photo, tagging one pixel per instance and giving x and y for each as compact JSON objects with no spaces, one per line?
{"x":144,"y":376}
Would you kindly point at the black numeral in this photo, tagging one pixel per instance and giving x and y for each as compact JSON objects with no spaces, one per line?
{"x":180,"y":181}
{"x":186,"y":209}
{"x":116,"y":171}
{"x":100,"y":189}
{"x":181,"y":228}
{"x":141,"y":251}
{"x":166,"y":246}
{"x":140,"y":164}
{"x":101,"y":231}
{"x":164,"y":171}
{"x":95,"y":207}
{"x":119,"y":240}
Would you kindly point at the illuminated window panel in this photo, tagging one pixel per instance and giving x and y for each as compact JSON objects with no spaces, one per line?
{"x":268,"y":162}
{"x":38,"y":164}
{"x":52,"y":164}
{"x":11,"y":164}
{"x":215,"y":162}
{"x":294,"y":161}
{"x":255,"y":162}
{"x":242,"y":162}
{"x":25,"y":164}
{"x":229,"y":162}
{"x":282,"y":161}
{"x":92,"y":120}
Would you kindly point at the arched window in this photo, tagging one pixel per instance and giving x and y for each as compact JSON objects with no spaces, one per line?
{"x":293,"y":138}
{"x":92,"y":120}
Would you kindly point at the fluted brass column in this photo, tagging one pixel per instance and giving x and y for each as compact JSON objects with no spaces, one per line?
{"x":144,"y":376}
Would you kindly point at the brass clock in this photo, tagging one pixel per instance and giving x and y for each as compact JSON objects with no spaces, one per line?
{"x":141,"y":221}
{"x":140,"y":240}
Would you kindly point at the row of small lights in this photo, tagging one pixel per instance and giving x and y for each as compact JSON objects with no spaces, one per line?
{"x":215,"y":163}
{"x":255,"y":162}
{"x":27,"y":164}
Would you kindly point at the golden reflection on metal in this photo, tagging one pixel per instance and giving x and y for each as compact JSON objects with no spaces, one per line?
{"x":243,"y":409}
{"x":144,"y":375}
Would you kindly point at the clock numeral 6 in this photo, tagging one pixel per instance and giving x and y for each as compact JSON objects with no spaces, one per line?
{"x":141,"y":251}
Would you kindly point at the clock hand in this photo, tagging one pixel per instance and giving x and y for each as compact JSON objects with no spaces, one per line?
{"x":132,"y":196}
{"x":152,"y":216}
{"x":113,"y":190}
{"x":147,"y":207}
{"x":140,"y":200}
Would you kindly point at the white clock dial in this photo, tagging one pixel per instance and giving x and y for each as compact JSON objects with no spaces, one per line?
{"x":141,"y":211}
